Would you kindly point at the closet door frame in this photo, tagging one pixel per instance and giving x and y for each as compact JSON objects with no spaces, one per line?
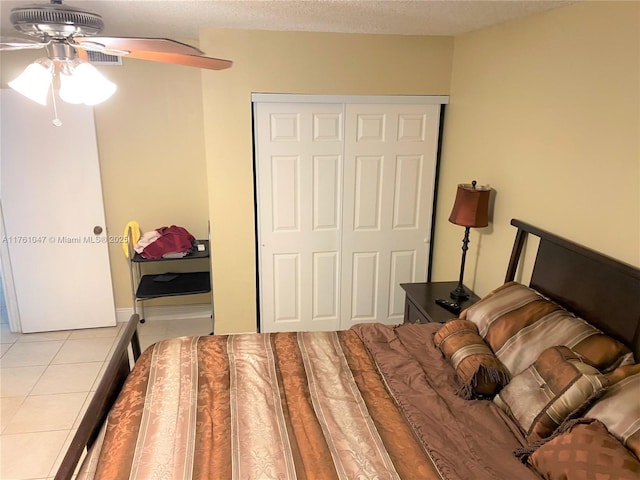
{"x":345,"y":100}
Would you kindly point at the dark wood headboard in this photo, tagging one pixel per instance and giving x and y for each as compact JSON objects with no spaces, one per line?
{"x":593,"y":286}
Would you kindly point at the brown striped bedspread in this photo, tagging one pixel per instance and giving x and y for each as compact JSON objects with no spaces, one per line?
{"x":373,"y":402}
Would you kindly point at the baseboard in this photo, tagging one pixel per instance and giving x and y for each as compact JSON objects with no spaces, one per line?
{"x":167,"y":312}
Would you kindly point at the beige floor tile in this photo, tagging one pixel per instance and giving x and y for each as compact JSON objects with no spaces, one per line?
{"x":192,"y":326}
{"x":67,"y":378}
{"x":27,"y":354}
{"x":19,"y":381}
{"x":103,"y":368}
{"x":30,"y":455}
{"x":114,"y":345}
{"x":148,"y":340}
{"x":63,"y":451}
{"x":8,"y":407}
{"x":42,"y":413}
{"x":4,"y":348}
{"x":154,"y":327}
{"x":84,"y":350}
{"x":155,"y":330}
{"x":83,"y":410}
{"x":6,"y":336}
{"x":44,"y":336}
{"x":96,"y":332}
{"x":36,"y":429}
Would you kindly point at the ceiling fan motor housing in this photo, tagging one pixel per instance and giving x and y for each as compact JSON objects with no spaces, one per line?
{"x":55,"y":21}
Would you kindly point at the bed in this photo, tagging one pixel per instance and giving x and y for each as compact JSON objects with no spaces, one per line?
{"x":380,"y":401}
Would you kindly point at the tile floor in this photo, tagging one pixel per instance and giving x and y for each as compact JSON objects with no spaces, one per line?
{"x":46,"y":383}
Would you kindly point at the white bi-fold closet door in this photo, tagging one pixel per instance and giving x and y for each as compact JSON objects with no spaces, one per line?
{"x":345,"y":198}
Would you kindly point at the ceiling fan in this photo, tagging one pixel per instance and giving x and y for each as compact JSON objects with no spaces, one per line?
{"x":67,"y":34}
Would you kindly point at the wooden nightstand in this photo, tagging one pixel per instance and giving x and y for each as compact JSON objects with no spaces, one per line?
{"x":420,"y":302}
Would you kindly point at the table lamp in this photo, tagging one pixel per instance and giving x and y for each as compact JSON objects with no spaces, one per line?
{"x":471,"y":209}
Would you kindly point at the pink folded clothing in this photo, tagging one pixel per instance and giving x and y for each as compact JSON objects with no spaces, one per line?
{"x":146,"y":239}
{"x":165,"y":242}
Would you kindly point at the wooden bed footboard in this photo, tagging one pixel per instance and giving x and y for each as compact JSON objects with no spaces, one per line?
{"x":108,"y":389}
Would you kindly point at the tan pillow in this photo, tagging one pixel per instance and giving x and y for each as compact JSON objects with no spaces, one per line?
{"x":619,"y":408}
{"x":584,"y":452}
{"x":480,"y":373}
{"x":541,"y":397}
{"x":518,"y":324}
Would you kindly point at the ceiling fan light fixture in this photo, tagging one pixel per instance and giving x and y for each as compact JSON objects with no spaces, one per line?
{"x":97,"y":88}
{"x":71,"y":90}
{"x":35,"y":80}
{"x":63,"y":30}
{"x":81,"y":82}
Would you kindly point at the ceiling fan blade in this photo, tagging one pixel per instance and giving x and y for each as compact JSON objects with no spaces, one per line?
{"x":89,"y":46}
{"x":154,"y":49}
{"x":83,"y":55}
{"x":198,"y":61}
{"x":12,"y":43}
{"x":131,"y":44}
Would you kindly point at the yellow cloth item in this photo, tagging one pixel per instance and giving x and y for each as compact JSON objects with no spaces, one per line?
{"x":134,"y":228}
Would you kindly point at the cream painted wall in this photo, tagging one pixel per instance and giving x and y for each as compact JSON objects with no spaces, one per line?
{"x":151,"y":148}
{"x":152,"y":158}
{"x":287,"y":62}
{"x":546,"y":111}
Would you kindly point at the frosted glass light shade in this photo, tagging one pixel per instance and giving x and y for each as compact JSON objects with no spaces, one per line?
{"x":34,"y":81}
{"x":71,"y":89}
{"x":82,"y":83}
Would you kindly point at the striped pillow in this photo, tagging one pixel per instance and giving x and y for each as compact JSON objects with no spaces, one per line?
{"x":479,"y":372}
{"x":619,"y":410}
{"x":518,"y":324}
{"x":541,"y":397}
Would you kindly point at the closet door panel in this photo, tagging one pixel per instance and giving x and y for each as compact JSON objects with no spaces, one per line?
{"x":389,"y":174}
{"x":364,"y":288}
{"x":299,"y":174}
{"x":403,"y":265}
{"x":367,"y":186}
{"x":325,"y":286}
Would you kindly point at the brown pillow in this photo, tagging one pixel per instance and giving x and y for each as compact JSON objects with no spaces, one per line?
{"x":586,"y":451}
{"x":541,"y":397}
{"x":619,"y":408}
{"x":480,"y":373}
{"x":518,"y":324}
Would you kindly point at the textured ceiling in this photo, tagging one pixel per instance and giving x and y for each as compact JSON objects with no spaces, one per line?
{"x":184,"y":19}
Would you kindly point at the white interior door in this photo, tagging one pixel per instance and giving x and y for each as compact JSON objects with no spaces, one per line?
{"x":345,"y":196}
{"x":52,"y":199}
{"x":299,"y":202}
{"x":389,"y":180}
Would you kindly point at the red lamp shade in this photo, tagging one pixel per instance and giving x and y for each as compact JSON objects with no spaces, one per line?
{"x":471,"y":208}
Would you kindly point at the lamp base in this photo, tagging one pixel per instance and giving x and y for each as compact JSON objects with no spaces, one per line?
{"x":459,"y":294}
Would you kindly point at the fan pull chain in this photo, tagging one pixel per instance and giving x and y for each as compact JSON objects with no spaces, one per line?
{"x":56,"y":121}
